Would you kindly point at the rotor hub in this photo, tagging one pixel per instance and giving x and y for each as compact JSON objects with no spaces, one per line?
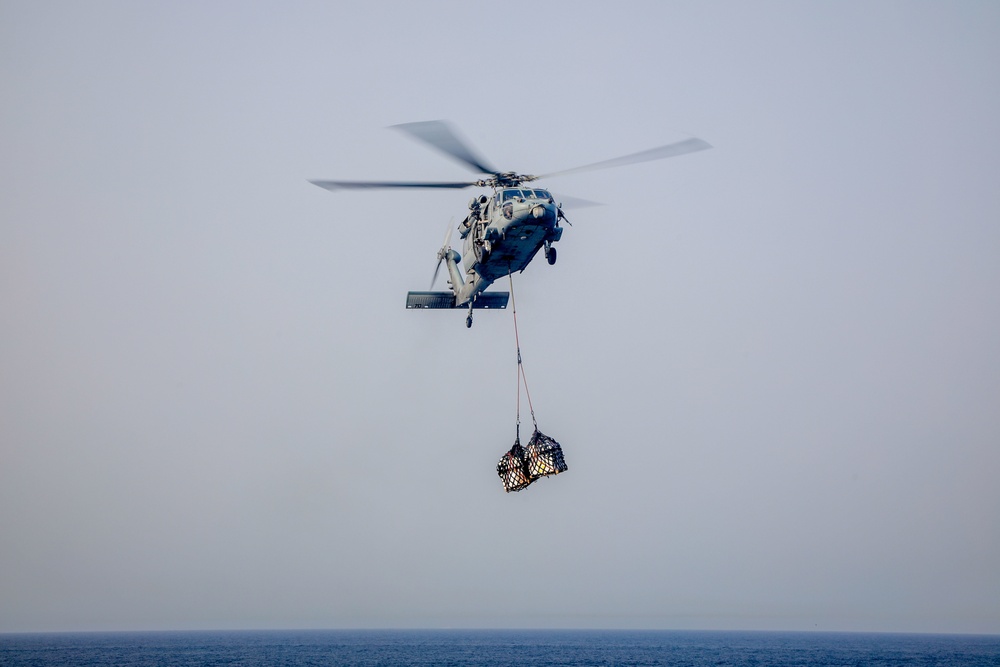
{"x":507,"y":179}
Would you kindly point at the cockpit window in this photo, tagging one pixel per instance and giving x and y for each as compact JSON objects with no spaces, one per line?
{"x":525,"y":193}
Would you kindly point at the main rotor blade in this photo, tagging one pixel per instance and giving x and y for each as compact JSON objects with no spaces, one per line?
{"x":362,"y":185}
{"x":441,"y":136}
{"x":566,"y":201}
{"x":670,"y":150}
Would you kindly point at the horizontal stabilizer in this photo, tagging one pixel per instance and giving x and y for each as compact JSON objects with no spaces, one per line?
{"x":447,"y":300}
{"x":491,"y":300}
{"x":430,"y":300}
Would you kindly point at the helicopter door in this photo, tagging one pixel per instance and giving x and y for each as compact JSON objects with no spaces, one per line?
{"x":479,"y":247}
{"x":487,"y":217}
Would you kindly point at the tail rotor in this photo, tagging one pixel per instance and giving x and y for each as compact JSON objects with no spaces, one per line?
{"x":443,"y":252}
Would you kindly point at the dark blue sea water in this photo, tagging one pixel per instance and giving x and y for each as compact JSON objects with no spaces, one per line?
{"x":495,"y":648}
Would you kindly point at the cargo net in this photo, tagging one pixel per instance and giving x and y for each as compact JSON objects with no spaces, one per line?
{"x":523,"y":465}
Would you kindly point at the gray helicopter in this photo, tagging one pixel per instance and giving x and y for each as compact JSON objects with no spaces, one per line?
{"x":503,"y":231}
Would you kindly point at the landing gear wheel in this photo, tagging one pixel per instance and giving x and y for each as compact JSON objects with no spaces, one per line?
{"x":551,"y":256}
{"x":468,"y":322}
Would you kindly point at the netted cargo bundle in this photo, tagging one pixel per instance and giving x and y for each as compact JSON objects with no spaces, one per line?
{"x":543,"y":456}
{"x":523,"y":465}
{"x":512,"y":470}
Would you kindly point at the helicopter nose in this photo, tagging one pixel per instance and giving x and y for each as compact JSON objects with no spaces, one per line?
{"x":539,"y":212}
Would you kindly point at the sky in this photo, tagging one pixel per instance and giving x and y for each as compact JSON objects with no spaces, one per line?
{"x":773,"y":366}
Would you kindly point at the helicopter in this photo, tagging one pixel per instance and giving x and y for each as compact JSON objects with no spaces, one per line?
{"x":503,"y":231}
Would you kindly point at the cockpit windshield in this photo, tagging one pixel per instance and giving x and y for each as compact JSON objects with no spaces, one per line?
{"x":525,"y":193}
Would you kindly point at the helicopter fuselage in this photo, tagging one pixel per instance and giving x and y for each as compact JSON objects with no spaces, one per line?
{"x":502,"y":234}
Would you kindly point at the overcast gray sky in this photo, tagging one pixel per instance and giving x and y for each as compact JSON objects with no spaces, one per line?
{"x":774,"y":366}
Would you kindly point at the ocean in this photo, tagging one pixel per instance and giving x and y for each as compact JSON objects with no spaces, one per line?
{"x":489,"y":648}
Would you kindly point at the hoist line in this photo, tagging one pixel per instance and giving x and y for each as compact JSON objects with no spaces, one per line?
{"x":520,"y":366}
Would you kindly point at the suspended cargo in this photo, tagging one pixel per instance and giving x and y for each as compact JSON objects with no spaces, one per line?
{"x":543,"y":456}
{"x":521,"y":466}
{"x":512,"y":470}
